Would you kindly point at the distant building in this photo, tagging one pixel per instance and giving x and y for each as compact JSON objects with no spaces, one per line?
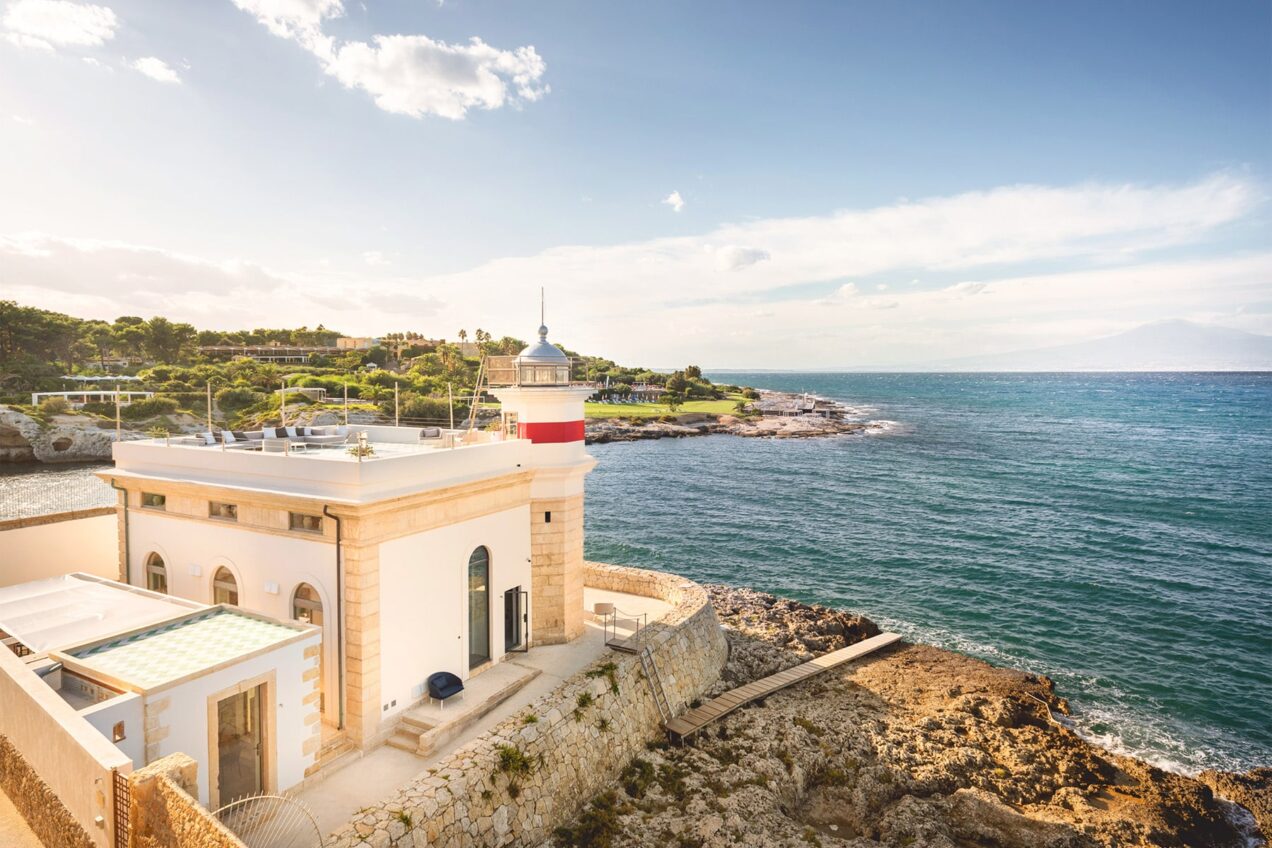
{"x":359,"y":343}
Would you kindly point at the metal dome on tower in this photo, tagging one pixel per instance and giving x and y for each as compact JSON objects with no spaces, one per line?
{"x":539,"y":364}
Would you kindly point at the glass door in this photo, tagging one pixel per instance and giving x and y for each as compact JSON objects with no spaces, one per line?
{"x":478,"y":607}
{"x":240,"y":746}
{"x":515,"y":620}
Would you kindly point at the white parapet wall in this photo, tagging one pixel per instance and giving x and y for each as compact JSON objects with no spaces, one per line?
{"x":53,"y":545}
{"x":59,"y":767}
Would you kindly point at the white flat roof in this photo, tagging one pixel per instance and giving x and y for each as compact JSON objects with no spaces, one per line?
{"x":76,"y":608}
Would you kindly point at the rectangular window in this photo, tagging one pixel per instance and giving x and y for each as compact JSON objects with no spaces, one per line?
{"x":224,"y":511}
{"x":152,"y":501}
{"x":547,"y":518}
{"x":306,"y":523}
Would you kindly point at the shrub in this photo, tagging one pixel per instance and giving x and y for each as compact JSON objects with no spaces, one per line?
{"x":148,"y":408}
{"x":235,"y":399}
{"x":513,"y":761}
{"x":596,"y":827}
{"x":54,"y":406}
{"x":636,"y":777}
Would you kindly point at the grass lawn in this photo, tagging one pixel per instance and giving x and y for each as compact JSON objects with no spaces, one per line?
{"x":653,"y":410}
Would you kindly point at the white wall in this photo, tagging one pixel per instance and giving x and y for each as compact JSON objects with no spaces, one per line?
{"x":127,"y":708}
{"x":187,"y":716}
{"x":90,"y":545}
{"x":63,"y":749}
{"x":424,"y":598}
{"x":254,"y":558}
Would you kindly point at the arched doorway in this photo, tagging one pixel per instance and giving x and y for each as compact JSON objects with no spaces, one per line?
{"x":156,"y":574}
{"x":307,"y":607}
{"x":224,"y":587}
{"x":478,"y":607}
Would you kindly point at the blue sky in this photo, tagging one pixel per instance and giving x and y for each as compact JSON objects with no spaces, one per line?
{"x":856,"y":182}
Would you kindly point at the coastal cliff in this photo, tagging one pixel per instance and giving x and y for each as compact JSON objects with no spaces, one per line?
{"x":775,"y":415}
{"x":914,"y":746}
{"x":62,"y":438}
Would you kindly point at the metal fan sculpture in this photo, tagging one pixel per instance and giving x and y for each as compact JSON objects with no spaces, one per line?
{"x":271,"y":821}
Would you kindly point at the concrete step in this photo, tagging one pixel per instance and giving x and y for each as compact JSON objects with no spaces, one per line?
{"x":405,"y":740}
{"x":419,"y":724}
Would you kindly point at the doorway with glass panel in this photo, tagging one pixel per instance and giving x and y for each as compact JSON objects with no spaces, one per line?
{"x":240,"y":743}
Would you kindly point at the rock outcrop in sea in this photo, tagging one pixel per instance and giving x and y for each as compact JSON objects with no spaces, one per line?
{"x":64,"y":438}
{"x":914,"y":746}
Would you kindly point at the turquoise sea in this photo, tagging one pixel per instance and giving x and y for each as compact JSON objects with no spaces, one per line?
{"x":1111,"y":531}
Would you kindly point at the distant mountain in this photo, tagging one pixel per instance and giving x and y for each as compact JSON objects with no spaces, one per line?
{"x":1160,"y":346}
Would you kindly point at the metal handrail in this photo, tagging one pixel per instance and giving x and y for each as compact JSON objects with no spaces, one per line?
{"x":641,"y":621}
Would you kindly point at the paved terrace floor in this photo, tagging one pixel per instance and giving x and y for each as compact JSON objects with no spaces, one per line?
{"x":14,"y":832}
{"x":338,"y":796}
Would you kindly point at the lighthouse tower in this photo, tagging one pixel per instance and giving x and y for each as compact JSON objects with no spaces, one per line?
{"x":540,"y":404}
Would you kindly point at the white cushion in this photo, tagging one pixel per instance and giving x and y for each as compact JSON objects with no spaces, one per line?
{"x":291,"y":433}
{"x":209,"y":439}
{"x":227,"y":437}
{"x":271,"y":432}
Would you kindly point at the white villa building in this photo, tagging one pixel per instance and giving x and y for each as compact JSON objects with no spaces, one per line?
{"x":413,"y":551}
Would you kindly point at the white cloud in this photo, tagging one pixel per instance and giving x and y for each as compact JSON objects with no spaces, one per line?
{"x":24,"y":120}
{"x":104,"y":279}
{"x":294,"y":19}
{"x":409,"y":74}
{"x":1073,"y":230}
{"x":415,"y":75}
{"x":374,"y":257}
{"x":44,"y":24}
{"x":675,"y":201}
{"x":156,"y":69}
{"x":734,"y":258}
{"x":967,"y":289}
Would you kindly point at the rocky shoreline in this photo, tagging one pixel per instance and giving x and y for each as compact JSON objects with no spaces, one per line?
{"x":913,"y":746}
{"x":777,"y":415}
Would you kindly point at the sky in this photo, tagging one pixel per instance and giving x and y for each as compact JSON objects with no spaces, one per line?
{"x":731,"y":184}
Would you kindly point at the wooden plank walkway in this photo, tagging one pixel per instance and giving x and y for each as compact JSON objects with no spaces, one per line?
{"x":691,"y":722}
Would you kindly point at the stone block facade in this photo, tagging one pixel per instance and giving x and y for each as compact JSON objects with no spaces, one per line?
{"x":582,"y":735}
{"x":556,"y":562}
{"x":51,"y":822}
{"x":163,"y":812}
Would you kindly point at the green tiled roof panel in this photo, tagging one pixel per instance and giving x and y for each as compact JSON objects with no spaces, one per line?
{"x":154,"y":657}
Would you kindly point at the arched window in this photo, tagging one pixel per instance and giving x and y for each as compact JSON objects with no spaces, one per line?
{"x":478,"y":607}
{"x":224,"y":587}
{"x":307,"y":607}
{"x":156,"y":574}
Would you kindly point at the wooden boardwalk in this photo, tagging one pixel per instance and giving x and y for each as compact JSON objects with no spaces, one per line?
{"x":691,"y":722}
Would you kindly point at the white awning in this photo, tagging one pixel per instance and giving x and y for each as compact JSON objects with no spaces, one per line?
{"x":74,"y":608}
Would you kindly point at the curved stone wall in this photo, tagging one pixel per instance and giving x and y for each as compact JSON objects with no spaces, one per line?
{"x":525,"y":777}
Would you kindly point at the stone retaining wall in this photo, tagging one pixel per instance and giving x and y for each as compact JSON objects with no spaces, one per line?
{"x":162,"y":810}
{"x":51,"y":822}
{"x":518,"y":782}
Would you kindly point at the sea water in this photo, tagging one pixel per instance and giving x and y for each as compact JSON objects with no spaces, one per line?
{"x":1111,"y":531}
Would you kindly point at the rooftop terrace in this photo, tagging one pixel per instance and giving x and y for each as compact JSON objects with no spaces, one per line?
{"x":356,"y":464}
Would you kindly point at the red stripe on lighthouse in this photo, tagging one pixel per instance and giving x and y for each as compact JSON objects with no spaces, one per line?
{"x":545,"y":432}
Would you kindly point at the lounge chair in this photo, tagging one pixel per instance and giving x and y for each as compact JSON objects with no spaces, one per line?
{"x":443,"y":685}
